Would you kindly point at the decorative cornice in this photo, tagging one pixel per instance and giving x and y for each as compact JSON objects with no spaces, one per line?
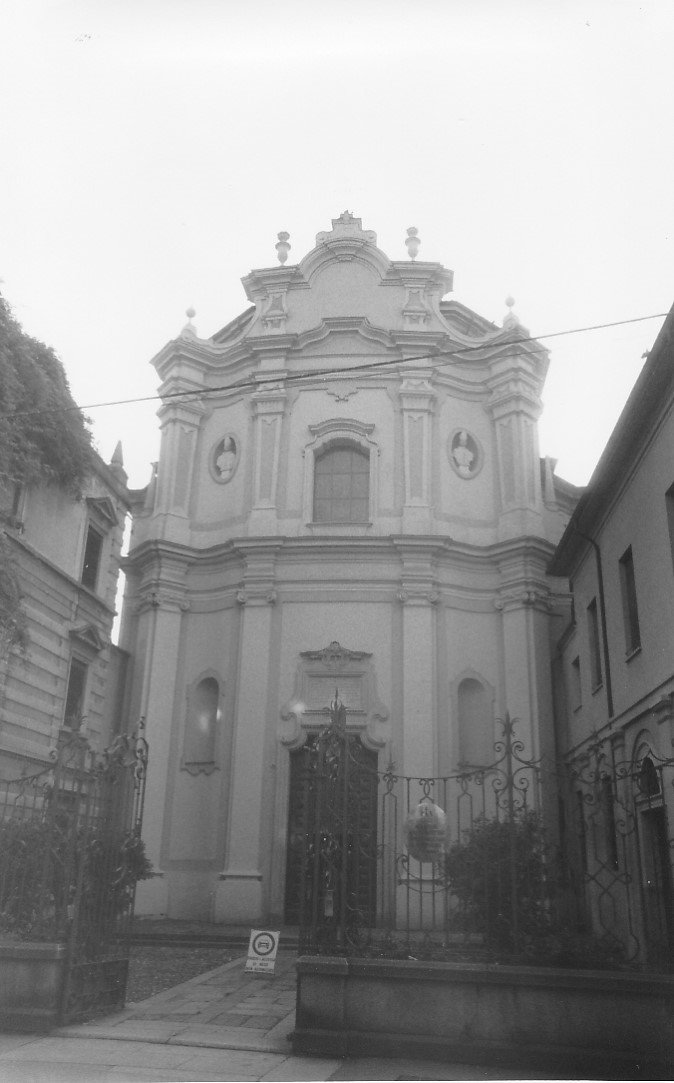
{"x":517,"y":598}
{"x":256,"y":596}
{"x":409,"y":595}
{"x":152,"y":597}
{"x":334,"y":657}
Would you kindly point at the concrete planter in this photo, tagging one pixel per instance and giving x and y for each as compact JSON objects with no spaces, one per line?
{"x":571,"y":1020}
{"x":30,"y":990}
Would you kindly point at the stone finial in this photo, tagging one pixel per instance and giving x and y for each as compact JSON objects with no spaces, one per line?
{"x":117,"y":464}
{"x":412,"y":241}
{"x":282,"y":246}
{"x":189,"y":328}
{"x":510,"y":319}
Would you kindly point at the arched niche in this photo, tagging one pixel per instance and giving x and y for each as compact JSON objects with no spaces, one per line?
{"x":474,"y":713}
{"x":203,"y":724}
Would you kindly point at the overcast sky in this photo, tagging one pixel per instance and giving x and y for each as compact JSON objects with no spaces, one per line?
{"x":152,"y":150}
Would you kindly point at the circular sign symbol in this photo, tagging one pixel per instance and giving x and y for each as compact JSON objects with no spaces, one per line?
{"x":263,"y":944}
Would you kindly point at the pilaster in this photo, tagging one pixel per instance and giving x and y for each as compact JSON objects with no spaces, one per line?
{"x":515,"y":385}
{"x":418,"y":599}
{"x":417,"y":398}
{"x":180,"y":419}
{"x":161,"y":610}
{"x":239,"y":894}
{"x":268,"y":408}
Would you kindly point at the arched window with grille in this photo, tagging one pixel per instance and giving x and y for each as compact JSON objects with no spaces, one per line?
{"x":342,"y":484}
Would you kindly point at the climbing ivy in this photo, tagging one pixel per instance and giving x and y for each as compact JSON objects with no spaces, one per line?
{"x":43,"y":438}
{"x":43,"y":435}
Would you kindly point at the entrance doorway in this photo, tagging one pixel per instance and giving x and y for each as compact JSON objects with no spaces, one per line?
{"x":332,"y":831}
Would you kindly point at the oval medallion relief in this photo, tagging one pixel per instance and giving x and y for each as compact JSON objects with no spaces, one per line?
{"x":464,"y":453}
{"x":224,"y":458}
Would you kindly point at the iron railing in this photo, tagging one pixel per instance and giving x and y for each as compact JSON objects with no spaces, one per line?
{"x":70,"y":856}
{"x":514,"y":861}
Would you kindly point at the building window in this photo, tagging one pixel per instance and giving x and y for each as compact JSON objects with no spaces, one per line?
{"x":595,"y":644}
{"x":576,"y":694}
{"x":342,"y":485}
{"x":77,"y":681}
{"x":92,"y":558}
{"x":629,"y":595}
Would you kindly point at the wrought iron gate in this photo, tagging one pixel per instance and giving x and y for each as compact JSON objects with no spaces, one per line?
{"x":70,"y":857}
{"x":331,"y":877}
{"x":620,"y":845}
{"x":518,"y":860}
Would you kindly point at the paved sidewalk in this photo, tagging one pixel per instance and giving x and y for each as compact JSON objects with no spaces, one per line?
{"x":225,"y":1008}
{"x":223,"y":1025}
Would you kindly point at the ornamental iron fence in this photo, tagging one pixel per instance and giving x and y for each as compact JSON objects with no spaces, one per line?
{"x":70,"y":857}
{"x":514,"y":861}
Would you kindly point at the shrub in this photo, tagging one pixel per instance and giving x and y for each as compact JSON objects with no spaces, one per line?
{"x":48,"y":866}
{"x":501,"y":877}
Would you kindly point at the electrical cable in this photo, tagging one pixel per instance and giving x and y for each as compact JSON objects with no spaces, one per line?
{"x":438,"y":357}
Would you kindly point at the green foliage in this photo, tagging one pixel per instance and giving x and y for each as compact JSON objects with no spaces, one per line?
{"x":13,"y":622}
{"x":46,"y":867}
{"x":43,"y":436}
{"x":500,"y":876}
{"x":512,"y":893}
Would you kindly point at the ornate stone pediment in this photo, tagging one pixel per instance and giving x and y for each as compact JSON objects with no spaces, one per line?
{"x":334,"y":657}
{"x":88,"y":637}
{"x":322,"y":673}
{"x":103,"y":509}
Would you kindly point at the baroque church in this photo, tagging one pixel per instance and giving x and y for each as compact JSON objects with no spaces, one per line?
{"x":350,"y":496}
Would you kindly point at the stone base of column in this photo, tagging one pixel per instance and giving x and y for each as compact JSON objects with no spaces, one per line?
{"x":152,"y":897}
{"x":238,"y":898}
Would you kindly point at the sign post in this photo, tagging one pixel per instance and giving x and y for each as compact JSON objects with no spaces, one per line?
{"x":262,"y":949}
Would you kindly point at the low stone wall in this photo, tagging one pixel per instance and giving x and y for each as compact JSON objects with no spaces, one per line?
{"x":568,"y":1020}
{"x":30,"y":985}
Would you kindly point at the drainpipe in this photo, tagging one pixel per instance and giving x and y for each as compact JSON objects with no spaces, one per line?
{"x":602,"y":615}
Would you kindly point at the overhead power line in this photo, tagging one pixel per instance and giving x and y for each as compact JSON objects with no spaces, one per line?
{"x":438,"y":357}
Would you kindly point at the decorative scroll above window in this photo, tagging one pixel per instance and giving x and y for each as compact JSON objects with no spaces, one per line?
{"x":318,"y":674}
{"x":465,"y":454}
{"x":202,"y":726}
{"x":224,"y":459}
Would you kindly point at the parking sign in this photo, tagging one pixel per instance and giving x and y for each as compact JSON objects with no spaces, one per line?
{"x":262,"y":949}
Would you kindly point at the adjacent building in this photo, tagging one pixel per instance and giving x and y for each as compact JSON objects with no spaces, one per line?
{"x":615,"y":669}
{"x":349,"y":494}
{"x":66,"y":553}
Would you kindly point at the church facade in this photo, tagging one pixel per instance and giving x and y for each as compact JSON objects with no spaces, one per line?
{"x":349,"y":495}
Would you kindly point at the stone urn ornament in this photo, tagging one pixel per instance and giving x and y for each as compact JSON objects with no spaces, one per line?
{"x":425,"y":831}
